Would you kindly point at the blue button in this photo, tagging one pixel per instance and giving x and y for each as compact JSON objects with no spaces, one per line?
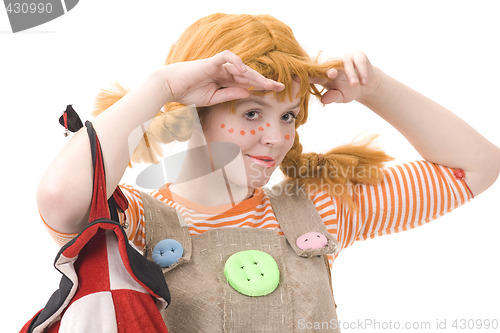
{"x":167,"y":252}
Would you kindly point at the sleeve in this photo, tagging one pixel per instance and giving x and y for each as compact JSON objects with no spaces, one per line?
{"x":410,"y":195}
{"x":59,"y":237}
{"x":133,"y":219}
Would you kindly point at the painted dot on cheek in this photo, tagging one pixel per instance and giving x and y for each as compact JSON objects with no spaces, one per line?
{"x":287,"y":137}
{"x":242,"y":132}
{"x":261,"y":129}
{"x":267,"y":124}
{"x":223,"y":125}
{"x":252,"y":131}
{"x":231,"y":130}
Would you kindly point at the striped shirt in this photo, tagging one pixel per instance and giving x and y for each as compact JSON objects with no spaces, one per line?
{"x":410,"y":195}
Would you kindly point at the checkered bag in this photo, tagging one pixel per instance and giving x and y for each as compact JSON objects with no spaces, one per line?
{"x":106,"y":284}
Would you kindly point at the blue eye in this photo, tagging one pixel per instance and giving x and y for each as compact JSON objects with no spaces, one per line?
{"x":252,"y":115}
{"x":289,"y":117}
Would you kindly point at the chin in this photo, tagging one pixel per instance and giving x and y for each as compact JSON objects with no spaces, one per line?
{"x":258,"y":176}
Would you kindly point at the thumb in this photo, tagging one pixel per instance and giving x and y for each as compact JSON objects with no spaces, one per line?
{"x":332,"y":96}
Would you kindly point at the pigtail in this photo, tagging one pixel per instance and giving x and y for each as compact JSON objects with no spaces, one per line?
{"x":166,"y":127}
{"x":336,"y":171}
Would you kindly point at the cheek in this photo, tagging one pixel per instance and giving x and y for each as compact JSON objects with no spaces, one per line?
{"x":239,"y":133}
{"x":288,"y":143}
{"x":243,"y":129}
{"x":247,"y":134}
{"x":289,"y":135}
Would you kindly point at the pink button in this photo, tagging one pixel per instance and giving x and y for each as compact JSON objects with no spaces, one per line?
{"x":312,"y":241}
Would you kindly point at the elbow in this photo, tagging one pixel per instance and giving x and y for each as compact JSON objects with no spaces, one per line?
{"x":46,"y":198}
{"x":481,"y":180}
{"x":495,"y":166}
{"x":496,"y":170}
{"x":56,"y":209}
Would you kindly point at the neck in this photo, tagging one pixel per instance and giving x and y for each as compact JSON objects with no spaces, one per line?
{"x":213,"y":182}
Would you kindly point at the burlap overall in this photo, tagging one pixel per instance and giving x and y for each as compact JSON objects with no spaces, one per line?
{"x":203,"y":300}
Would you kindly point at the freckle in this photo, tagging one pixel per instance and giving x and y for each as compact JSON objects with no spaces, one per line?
{"x":231,"y":130}
{"x":242,"y":132}
{"x":223,"y":125}
{"x":287,"y":137}
{"x":252,"y":131}
{"x":267,"y":124}
{"x":261,"y":129}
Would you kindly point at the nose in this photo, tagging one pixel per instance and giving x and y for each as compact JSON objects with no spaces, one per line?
{"x":272,"y":135}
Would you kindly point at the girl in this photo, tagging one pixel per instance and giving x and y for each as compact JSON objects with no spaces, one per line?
{"x":250,"y":82}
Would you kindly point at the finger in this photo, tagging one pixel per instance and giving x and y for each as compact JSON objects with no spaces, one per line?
{"x":361,"y":65}
{"x":332,"y":96}
{"x":332,"y":73}
{"x":231,"y":69}
{"x":228,"y":56}
{"x":228,"y":94}
{"x":259,"y":81}
{"x":350,"y":71}
{"x":250,"y":78}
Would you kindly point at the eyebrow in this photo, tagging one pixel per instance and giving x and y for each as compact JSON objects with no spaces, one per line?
{"x":262,"y":103}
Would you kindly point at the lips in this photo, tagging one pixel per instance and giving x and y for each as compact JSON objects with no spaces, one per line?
{"x":264,"y":161}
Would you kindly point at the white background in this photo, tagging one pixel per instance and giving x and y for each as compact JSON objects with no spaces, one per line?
{"x":447,"y":50}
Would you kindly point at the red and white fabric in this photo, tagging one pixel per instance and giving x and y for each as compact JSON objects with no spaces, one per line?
{"x":106,"y":284}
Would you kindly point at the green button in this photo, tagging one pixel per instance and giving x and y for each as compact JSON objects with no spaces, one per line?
{"x":252,"y":272}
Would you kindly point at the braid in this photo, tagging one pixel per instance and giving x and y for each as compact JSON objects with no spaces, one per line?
{"x":174,"y":125}
{"x":336,"y":171}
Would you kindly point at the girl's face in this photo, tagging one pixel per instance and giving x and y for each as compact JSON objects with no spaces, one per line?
{"x":263,"y":128}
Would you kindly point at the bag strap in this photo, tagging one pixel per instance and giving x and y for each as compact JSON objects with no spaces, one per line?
{"x":100,"y":207}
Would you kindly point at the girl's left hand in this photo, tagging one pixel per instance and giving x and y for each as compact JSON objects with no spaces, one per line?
{"x":358,"y":79}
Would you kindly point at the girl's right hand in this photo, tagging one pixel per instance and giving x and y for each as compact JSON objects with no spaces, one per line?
{"x":221,"y":78}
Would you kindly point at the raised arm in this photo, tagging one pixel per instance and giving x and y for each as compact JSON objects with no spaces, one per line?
{"x":436,"y":133}
{"x":65,"y":190}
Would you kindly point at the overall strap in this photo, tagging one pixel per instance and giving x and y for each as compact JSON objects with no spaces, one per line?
{"x":100,"y":207}
{"x":297,"y":215}
{"x":164,"y":222}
